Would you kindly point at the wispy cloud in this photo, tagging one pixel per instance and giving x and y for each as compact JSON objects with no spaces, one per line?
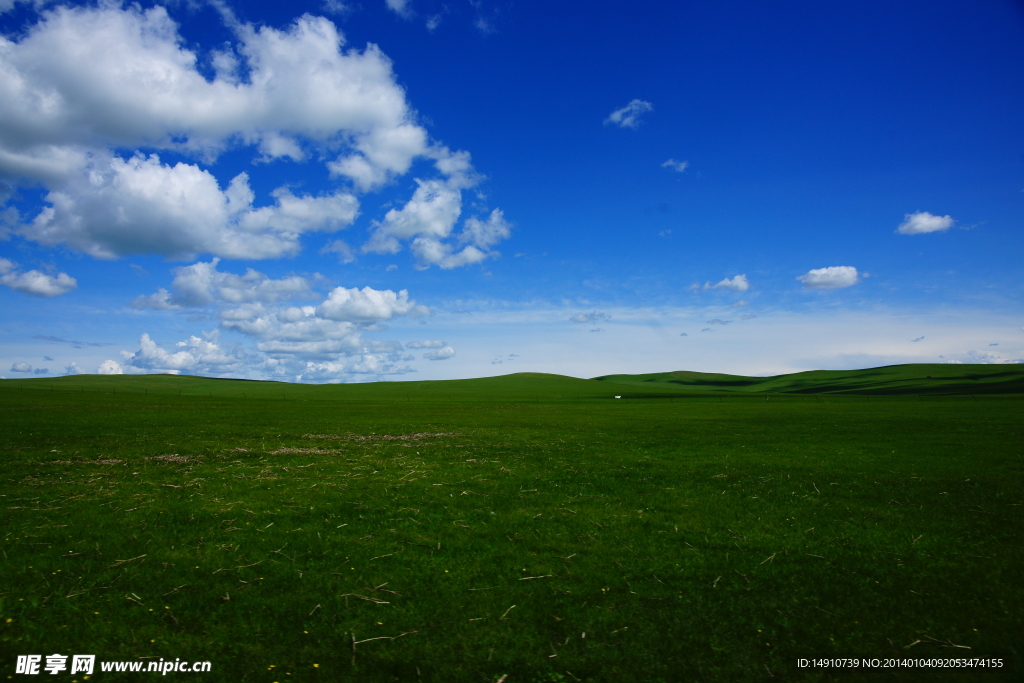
{"x":76,"y":344}
{"x":629,"y":116}
{"x":592,"y":317}
{"x":738,"y":283}
{"x":402,"y":8}
{"x":673,"y":165}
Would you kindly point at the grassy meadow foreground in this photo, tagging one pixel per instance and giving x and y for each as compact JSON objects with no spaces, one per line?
{"x":530,"y":526}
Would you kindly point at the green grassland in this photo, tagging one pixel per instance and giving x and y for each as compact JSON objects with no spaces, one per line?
{"x":528,"y":525}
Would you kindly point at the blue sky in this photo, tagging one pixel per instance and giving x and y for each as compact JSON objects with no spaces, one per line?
{"x":405,"y":190}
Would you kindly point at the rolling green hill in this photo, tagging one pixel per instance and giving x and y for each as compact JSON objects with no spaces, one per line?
{"x":893,"y":379}
{"x":533,"y":387}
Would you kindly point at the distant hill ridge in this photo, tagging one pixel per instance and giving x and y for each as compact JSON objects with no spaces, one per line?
{"x":890,"y":379}
{"x":930,"y":379}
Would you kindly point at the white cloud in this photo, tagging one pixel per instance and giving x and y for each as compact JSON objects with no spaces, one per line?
{"x":367,"y":364}
{"x":72,"y":369}
{"x":336,"y":7}
{"x":113,"y":207}
{"x":193,"y":356}
{"x":440,"y":354}
{"x":345,"y":253}
{"x":110,"y":367}
{"x":401,"y":7}
{"x":738,"y":283}
{"x":428,"y":344}
{"x":201,"y":284}
{"x":429,"y":218}
{"x":986,"y":358}
{"x":34,"y":282}
{"x":629,"y":116}
{"x":923,"y":222}
{"x":367,"y":305}
{"x":160,"y":300}
{"x":84,"y":82}
{"x":592,"y":317}
{"x":21,"y":366}
{"x":291,"y":336}
{"x":485,"y":234}
{"x":834,"y":277}
{"x":678,"y":166}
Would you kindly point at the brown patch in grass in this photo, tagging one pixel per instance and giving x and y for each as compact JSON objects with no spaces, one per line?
{"x":382,"y":437}
{"x":172,"y":457}
{"x":313,"y":451}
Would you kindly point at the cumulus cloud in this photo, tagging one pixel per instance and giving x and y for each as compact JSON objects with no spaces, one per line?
{"x":367,"y":305}
{"x":673,"y":165}
{"x":368,"y":364}
{"x":629,"y":116}
{"x":84,"y":83}
{"x":329,"y":335}
{"x":834,"y":277}
{"x":110,"y":367}
{"x":21,"y":366}
{"x":923,"y":222}
{"x":592,"y":317}
{"x":202,"y":284}
{"x":192,"y":356}
{"x":41,"y":371}
{"x":738,"y":283}
{"x":428,"y":344}
{"x":440,"y":354}
{"x":428,"y":220}
{"x":140,"y":205}
{"x":72,"y":369}
{"x":34,"y":282}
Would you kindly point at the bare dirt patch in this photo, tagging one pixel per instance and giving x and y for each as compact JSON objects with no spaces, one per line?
{"x":313,"y":451}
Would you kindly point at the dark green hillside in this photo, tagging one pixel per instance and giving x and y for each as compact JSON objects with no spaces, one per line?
{"x":893,"y":379}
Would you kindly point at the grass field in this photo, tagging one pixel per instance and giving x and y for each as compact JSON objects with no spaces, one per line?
{"x":529,"y":526}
